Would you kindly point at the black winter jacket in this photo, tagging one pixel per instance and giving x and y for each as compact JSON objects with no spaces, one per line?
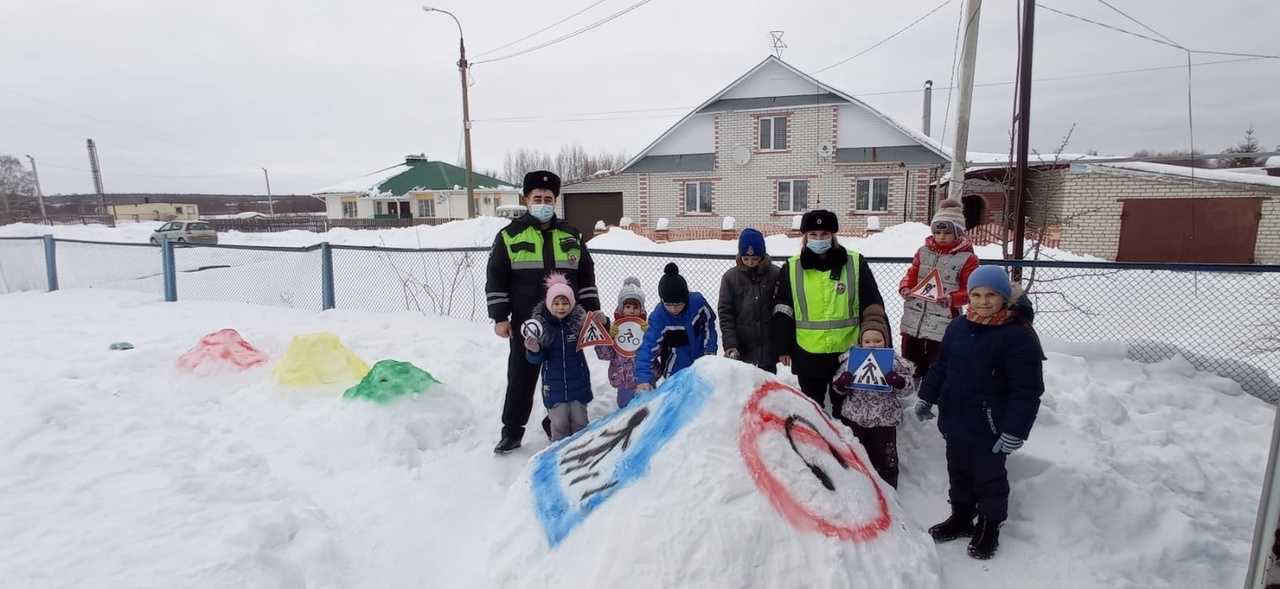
{"x":512,"y":294}
{"x":746,"y":304}
{"x":783,"y":325}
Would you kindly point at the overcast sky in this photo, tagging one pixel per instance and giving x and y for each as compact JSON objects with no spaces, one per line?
{"x":189,"y":97}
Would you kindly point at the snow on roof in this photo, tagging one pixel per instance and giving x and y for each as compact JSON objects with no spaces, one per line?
{"x":1225,"y":175}
{"x":1272,"y":162}
{"x":979,"y":160}
{"x":367,"y":183}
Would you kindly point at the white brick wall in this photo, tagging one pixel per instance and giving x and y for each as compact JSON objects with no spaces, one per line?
{"x":1094,"y":198}
{"x":749,"y":193}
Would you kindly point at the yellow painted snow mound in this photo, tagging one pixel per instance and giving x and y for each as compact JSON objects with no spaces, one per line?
{"x":319,"y":359}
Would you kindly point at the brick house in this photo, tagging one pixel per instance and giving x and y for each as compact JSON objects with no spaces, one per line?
{"x":1150,"y":212}
{"x":771,"y":145}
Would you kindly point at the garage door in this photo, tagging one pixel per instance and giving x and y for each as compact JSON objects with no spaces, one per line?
{"x":583,"y":209}
{"x":1203,"y":230}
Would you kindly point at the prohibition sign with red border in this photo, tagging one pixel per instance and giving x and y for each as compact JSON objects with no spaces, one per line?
{"x":756,"y":421}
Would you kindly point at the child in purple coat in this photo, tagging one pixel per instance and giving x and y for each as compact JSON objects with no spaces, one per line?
{"x":622,"y":370}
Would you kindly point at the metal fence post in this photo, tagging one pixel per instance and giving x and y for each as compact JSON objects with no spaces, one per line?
{"x":50,"y":263}
{"x":170,"y":271}
{"x":326,"y":276}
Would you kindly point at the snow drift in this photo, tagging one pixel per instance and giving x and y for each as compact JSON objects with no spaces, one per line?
{"x":721,"y":478}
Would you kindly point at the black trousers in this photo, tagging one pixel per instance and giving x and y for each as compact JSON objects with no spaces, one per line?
{"x":818,"y":388}
{"x":882,"y":448}
{"x":522,"y":381}
{"x":978,"y":478}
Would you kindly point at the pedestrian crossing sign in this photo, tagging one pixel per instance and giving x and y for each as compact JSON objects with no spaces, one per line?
{"x":869,"y":367}
{"x":593,"y":332}
{"x":929,"y":289}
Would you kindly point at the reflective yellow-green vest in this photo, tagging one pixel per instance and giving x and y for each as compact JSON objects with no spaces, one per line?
{"x":524,"y":249}
{"x":826,"y":310}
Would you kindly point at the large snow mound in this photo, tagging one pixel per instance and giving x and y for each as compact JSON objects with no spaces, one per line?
{"x":728,"y":479}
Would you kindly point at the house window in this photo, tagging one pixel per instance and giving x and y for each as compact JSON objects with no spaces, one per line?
{"x":177,"y":210}
{"x":873,"y":195}
{"x":773,"y":133}
{"x":697,"y":197}
{"x":793,"y":196}
{"x":427,"y":208}
{"x":349,"y":210}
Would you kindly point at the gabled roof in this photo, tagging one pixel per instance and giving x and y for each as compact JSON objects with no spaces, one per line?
{"x":416,"y":174}
{"x":820,"y":88}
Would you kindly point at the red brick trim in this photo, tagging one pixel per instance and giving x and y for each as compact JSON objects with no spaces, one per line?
{"x":755,"y":131}
{"x":680,"y":197}
{"x":854,"y":211}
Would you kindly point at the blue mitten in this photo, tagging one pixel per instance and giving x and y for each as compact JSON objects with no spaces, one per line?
{"x":1007,"y":444}
{"x":923,"y":410}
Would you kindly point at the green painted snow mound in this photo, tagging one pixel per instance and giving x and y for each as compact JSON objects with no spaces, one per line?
{"x":389,"y":380}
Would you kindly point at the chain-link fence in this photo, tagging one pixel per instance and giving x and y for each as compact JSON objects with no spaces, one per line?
{"x":1222,"y":319}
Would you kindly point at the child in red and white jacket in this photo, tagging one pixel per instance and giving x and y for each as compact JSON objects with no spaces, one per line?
{"x":949,"y":252}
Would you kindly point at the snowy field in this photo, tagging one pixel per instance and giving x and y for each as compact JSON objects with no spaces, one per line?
{"x":120,"y":472}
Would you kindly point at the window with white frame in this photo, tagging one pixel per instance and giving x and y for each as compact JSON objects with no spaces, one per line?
{"x":793,"y":196}
{"x":349,"y":209}
{"x":697,"y":197}
{"x":773,"y":133}
{"x":427,"y":208}
{"x":873,"y":195}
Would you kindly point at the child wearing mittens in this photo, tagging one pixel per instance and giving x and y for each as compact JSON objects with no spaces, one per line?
{"x":987,"y":385}
{"x":622,"y":370}
{"x":680,"y":331}
{"x":566,"y":381}
{"x":874,"y":416}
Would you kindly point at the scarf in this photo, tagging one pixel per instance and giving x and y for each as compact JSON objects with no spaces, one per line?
{"x":1001,"y":317}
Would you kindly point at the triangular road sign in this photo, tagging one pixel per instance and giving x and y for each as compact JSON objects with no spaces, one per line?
{"x":593,"y":332}
{"x":929,"y":289}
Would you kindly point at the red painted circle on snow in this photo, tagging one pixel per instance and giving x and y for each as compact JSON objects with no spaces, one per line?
{"x":756,"y":421}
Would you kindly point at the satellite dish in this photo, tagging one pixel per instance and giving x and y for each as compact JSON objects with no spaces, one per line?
{"x":826,"y":151}
{"x":742,"y":155}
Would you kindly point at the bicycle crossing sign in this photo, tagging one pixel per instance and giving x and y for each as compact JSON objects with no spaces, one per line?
{"x":630,"y":334}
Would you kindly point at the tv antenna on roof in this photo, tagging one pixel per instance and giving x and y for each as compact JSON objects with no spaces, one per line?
{"x":777,"y":42}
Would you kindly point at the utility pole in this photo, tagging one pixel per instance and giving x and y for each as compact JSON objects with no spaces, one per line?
{"x":271,"y":204}
{"x":968,"y":59}
{"x":1026,"y":48}
{"x":44,"y":217}
{"x":473,"y":208}
{"x":97,"y":177}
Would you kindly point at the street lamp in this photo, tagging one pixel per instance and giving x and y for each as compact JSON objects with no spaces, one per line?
{"x":472,"y":208}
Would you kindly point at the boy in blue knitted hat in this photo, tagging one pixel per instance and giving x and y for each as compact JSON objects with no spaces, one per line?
{"x":987,"y":385}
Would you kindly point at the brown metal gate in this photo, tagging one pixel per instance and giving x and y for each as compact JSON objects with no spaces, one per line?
{"x":583,"y":209}
{"x":1202,"y":230}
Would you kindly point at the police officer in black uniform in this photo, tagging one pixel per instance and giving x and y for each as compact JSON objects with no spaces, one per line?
{"x":524,"y":253}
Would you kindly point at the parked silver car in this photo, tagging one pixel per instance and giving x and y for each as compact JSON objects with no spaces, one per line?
{"x":185,"y":232}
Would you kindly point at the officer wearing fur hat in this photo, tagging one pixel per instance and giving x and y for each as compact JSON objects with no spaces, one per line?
{"x":746,"y":302}
{"x":523,"y":255}
{"x":948,"y":253}
{"x":821,"y":299}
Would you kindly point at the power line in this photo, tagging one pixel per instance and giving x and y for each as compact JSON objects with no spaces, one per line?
{"x":566,"y":36}
{"x":543,"y":29}
{"x":886,"y":39}
{"x":1153,"y":39}
{"x":1138,"y":22}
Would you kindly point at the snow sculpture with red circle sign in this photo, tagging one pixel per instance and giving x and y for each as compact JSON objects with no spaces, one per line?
{"x":723,"y":477}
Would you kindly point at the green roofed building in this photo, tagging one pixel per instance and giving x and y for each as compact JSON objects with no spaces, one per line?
{"x":418,"y":191}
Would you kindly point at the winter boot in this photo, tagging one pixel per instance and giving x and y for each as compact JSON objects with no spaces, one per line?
{"x":546,"y":426}
{"x":508,"y":444}
{"x":986,"y":539}
{"x":960,"y":524}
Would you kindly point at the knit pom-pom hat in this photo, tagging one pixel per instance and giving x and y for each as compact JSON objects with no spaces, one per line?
{"x":950,"y":211}
{"x":672,"y":288}
{"x":631,"y":291}
{"x":558,"y":286}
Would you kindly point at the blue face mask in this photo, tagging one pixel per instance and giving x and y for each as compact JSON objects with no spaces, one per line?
{"x":542,"y":212}
{"x":819,"y":246}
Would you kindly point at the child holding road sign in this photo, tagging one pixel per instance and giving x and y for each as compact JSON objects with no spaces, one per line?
{"x":935,"y":287}
{"x":628,"y":332}
{"x":870,"y":411}
{"x":551,"y":340}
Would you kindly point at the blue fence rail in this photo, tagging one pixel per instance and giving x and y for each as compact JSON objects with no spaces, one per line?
{"x":1220,"y":318}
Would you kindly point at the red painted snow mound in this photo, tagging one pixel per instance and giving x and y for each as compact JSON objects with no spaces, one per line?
{"x":219,"y":351}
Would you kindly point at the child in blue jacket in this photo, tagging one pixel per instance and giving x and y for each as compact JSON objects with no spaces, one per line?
{"x":682,"y":330}
{"x":987,"y":383}
{"x":551,"y":339}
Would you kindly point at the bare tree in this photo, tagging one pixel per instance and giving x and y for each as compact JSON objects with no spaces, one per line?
{"x":16,"y":183}
{"x":572,"y":162}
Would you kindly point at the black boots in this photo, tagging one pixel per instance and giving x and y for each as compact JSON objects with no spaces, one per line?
{"x":960,"y":524}
{"x":986,"y":538}
{"x":508,"y":444}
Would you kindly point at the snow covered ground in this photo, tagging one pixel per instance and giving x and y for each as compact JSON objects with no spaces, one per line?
{"x":118,"y":471}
